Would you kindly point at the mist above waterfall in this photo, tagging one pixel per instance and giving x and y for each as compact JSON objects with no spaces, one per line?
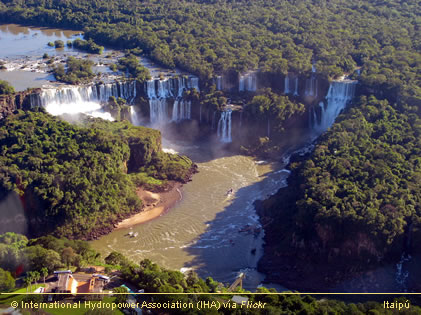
{"x":83,"y":99}
{"x":89,"y":108}
{"x":135,"y":116}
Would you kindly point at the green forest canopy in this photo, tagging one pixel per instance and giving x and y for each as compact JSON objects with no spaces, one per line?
{"x":277,"y":36}
{"x":212,"y":36}
{"x":20,"y":256}
{"x":75,"y":176}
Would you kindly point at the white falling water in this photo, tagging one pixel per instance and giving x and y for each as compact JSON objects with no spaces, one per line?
{"x":296,"y":87}
{"x":135,"y":117}
{"x":83,"y":99}
{"x":158,"y":111}
{"x":339,"y":94}
{"x":193,"y":83}
{"x":218,"y":82}
{"x":224,"y":127}
{"x":150,"y":89}
{"x":402,"y":275}
{"x":287,"y":88}
{"x":159,"y":91}
{"x":248,"y":82}
{"x":291,"y":85}
{"x":181,"y":110}
{"x":311,"y":87}
{"x":164,"y":89}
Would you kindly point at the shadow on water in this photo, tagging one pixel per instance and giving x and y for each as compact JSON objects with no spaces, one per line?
{"x":229,"y":246}
{"x":232,"y":241}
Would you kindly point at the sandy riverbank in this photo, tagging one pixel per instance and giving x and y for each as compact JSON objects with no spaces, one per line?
{"x":155,"y":205}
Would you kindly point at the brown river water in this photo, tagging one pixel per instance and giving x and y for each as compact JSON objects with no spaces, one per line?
{"x":202,"y":231}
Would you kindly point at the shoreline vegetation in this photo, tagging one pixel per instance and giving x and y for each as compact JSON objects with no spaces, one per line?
{"x":47,"y":254}
{"x":356,"y":197}
{"x":80,"y":180}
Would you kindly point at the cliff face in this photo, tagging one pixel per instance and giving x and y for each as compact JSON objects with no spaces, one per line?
{"x":305,"y":252}
{"x":143,"y":150}
{"x":19,"y":100}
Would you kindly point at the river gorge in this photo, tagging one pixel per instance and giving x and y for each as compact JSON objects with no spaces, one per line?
{"x":215,"y":233}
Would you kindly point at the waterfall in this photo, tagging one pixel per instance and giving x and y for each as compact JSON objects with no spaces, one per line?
{"x":339,"y":94}
{"x":248,"y":82}
{"x":181,"y":110}
{"x":150,"y":89}
{"x":158,"y":111}
{"x":287,"y":88}
{"x":401,"y":276}
{"x":160,"y":91}
{"x":241,"y":84}
{"x":290,"y":86}
{"x":135,"y":117}
{"x":164,"y":89}
{"x":83,"y":99}
{"x":224,"y":127}
{"x":311,"y":87}
{"x":296,"y":87}
{"x":193,"y":83}
{"x":218,"y":83}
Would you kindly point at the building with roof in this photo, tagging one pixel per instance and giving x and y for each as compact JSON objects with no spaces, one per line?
{"x":67,"y":282}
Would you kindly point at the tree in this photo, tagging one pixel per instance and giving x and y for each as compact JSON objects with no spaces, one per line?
{"x":44,"y":273}
{"x":68,"y":256}
{"x":37,"y":276}
{"x":120,"y":297}
{"x":116,"y":258}
{"x":27,"y":282}
{"x":29,"y":279}
{"x":58,"y":44}
{"x":7,"y":282}
{"x":6,"y":88}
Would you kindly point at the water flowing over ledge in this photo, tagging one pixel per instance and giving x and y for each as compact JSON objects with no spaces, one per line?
{"x":224,"y":127}
{"x":160,"y":94}
{"x":83,"y":99}
{"x":340,"y":93}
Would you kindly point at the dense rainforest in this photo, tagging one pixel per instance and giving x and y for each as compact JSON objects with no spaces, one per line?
{"x":76,"y":179}
{"x":355,"y":201}
{"x":33,"y":260}
{"x":208,"y":37}
{"x":363,"y":178}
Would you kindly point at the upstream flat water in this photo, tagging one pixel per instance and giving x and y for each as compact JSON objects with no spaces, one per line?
{"x":22,"y":49}
{"x":203,"y":230}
